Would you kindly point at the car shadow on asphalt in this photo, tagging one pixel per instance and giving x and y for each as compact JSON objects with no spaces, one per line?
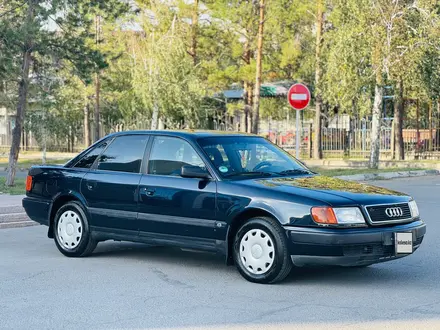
{"x":162,"y":254}
{"x":379,"y":274}
{"x":343,"y":275}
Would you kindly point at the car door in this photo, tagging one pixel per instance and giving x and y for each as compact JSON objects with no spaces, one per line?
{"x":180,"y":210}
{"x":111,"y":186}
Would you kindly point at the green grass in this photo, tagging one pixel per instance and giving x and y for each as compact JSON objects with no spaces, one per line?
{"x":352,"y":171}
{"x":26,"y":163}
{"x":18,"y":189}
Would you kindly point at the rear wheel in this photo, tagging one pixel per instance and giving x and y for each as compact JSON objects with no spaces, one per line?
{"x":260,"y":251}
{"x":72,"y":231}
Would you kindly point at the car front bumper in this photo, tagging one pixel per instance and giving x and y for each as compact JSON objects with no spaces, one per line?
{"x":349,"y":247}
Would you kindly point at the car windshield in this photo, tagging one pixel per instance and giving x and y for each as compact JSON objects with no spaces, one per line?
{"x":246,"y":156}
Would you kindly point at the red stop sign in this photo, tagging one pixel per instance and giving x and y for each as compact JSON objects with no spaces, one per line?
{"x":299,"y":96}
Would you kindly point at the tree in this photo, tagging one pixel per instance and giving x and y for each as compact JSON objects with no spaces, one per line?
{"x":157,"y":70}
{"x":256,"y":107}
{"x":317,"y":148}
{"x":27,"y":45}
{"x":376,"y":40}
{"x":34,"y":29}
{"x":97,"y":79}
{"x":194,"y":30}
{"x":399,"y":111}
{"x":236,"y":26}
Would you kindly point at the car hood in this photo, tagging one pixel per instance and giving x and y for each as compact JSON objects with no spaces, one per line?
{"x":331,"y":190}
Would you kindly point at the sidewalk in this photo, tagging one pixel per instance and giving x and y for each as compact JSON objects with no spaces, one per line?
{"x":12,"y":214}
{"x":343,"y":163}
{"x":387,"y":175}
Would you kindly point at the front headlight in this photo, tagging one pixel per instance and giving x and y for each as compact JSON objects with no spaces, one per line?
{"x":338,"y":216}
{"x":414,"y":209}
{"x":349,"y":215}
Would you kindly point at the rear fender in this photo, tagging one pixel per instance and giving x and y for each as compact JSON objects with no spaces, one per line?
{"x":60,"y":199}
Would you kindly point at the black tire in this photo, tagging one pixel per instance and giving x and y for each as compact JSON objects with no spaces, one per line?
{"x":282,"y":264}
{"x":86,"y":244}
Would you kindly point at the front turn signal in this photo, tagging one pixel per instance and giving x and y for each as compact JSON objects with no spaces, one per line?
{"x":28,"y":183}
{"x":324,"y":215}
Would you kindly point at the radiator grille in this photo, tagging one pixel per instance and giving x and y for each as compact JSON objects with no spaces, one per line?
{"x":378,"y":213}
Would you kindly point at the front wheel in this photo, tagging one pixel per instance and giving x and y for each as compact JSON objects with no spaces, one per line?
{"x":72,"y":231}
{"x":260,"y":251}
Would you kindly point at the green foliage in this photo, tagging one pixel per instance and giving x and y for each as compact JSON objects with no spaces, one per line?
{"x":378,"y":41}
{"x":144,"y":62}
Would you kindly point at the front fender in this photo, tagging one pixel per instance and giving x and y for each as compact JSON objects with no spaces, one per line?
{"x":286,"y":212}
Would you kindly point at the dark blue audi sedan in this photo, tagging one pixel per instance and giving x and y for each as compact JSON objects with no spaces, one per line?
{"x":234,"y":194}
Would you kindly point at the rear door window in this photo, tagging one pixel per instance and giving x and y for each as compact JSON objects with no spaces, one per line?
{"x":89,"y":158}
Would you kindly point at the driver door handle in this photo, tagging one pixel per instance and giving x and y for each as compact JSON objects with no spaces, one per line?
{"x":148,"y":191}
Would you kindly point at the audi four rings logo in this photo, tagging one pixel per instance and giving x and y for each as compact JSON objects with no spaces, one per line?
{"x":393,"y":212}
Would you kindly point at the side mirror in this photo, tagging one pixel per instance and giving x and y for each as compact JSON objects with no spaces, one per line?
{"x":189,"y":171}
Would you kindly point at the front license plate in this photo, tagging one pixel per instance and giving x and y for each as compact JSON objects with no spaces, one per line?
{"x":404,"y":243}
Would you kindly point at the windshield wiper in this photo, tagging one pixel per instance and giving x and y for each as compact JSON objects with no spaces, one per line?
{"x":251,"y":173}
{"x":296,"y":171}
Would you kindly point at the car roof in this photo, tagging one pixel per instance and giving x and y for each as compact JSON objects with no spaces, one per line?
{"x":188,"y":134}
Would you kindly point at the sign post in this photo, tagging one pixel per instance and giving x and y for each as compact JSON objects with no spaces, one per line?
{"x":299,"y":98}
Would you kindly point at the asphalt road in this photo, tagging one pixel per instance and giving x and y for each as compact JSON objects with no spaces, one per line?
{"x":18,"y":174}
{"x":124,"y":285}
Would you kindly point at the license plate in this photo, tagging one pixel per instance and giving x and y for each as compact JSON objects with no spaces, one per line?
{"x":404,"y":243}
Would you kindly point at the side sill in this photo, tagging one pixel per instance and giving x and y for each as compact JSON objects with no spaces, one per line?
{"x":196,"y":243}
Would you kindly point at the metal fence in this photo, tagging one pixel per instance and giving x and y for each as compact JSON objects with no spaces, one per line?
{"x":342,"y":137}
{"x":353,"y":139}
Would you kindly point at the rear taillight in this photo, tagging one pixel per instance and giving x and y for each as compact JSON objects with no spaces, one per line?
{"x":28,"y":183}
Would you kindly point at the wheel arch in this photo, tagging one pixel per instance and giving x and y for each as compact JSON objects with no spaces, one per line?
{"x":238,"y":221}
{"x":59,"y":201}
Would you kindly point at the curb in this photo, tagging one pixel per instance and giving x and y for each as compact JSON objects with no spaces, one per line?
{"x":18,"y":224}
{"x":387,"y":175}
{"x":21,"y":169}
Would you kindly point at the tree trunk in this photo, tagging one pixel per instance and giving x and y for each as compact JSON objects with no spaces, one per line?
{"x":72,"y":139}
{"x":430,"y":105}
{"x":248,"y":90}
{"x":194,"y":30}
{"x":375,"y":127}
{"x":155,"y":117}
{"x":87,"y":141}
{"x":248,"y":107}
{"x":317,"y":148}
{"x":22,"y":100}
{"x":97,"y":80}
{"x":97,"y":106}
{"x":417,"y":125}
{"x":245,"y":107}
{"x":256,"y":108}
{"x":398,"y":120}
